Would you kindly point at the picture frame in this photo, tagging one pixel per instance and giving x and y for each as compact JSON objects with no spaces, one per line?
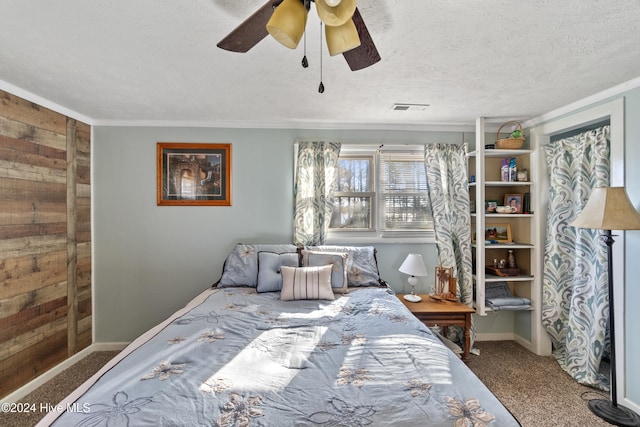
{"x":442,"y":278}
{"x":500,"y":233}
{"x":514,"y":200}
{"x":490,"y":206}
{"x":193,"y":174}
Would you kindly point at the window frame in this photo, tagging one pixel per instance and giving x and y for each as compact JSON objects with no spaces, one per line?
{"x":370,"y":194}
{"x":377,"y":234}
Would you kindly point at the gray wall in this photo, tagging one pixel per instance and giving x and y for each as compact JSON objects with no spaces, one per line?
{"x":150,"y":260}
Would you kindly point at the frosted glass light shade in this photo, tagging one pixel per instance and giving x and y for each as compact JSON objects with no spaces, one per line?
{"x":343,"y":38}
{"x":335,"y":16}
{"x":608,"y":208}
{"x":287,"y":23}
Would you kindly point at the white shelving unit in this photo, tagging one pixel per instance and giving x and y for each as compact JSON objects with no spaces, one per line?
{"x":485,"y":164}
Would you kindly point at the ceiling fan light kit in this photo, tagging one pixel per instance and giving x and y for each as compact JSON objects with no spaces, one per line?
{"x":288,"y":22}
{"x":285,"y":20}
{"x":342,"y":38}
{"x":334,"y":16}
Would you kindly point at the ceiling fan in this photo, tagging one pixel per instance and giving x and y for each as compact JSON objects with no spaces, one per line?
{"x":285,"y":20}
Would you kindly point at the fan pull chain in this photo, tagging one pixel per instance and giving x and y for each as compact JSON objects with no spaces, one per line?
{"x":305,"y":63}
{"x":321,"y":87}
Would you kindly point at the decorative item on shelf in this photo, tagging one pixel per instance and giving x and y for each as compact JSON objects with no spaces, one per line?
{"x":523,"y":175}
{"x":490,"y":206}
{"x":526,"y":203}
{"x":515,"y":139}
{"x":500,"y":233}
{"x":502,"y":271}
{"x":413,"y":266}
{"x":511,"y":259}
{"x":504,"y":170}
{"x":506,"y":209}
{"x":513,"y":170}
{"x":514,"y":201}
{"x":609,"y":209}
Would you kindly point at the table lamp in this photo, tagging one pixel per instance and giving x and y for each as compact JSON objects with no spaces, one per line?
{"x":413,"y":266}
{"x":609,"y":208}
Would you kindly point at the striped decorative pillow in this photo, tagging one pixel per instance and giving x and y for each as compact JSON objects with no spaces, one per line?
{"x":306,"y":283}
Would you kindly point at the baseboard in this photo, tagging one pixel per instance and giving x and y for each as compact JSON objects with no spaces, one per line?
{"x":109,"y":346}
{"x":526,"y":344}
{"x":503,"y":336}
{"x":40,"y":380}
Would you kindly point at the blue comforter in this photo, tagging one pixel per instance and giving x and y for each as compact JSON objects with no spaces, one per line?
{"x":239,"y":358}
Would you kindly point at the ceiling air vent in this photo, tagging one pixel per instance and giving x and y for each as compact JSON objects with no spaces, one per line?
{"x":409,"y":107}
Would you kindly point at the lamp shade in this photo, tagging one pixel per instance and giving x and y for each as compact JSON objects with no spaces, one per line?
{"x":608,"y":208}
{"x":413,"y":266}
{"x":342,"y":38}
{"x":335,"y":16}
{"x":287,"y":23}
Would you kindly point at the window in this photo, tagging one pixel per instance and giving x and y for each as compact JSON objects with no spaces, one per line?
{"x":355,"y":197}
{"x":404,"y":195}
{"x":381,"y":193}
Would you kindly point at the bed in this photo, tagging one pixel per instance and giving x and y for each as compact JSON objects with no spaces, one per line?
{"x":240,"y":354}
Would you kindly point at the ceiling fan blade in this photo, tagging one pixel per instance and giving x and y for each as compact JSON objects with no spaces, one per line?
{"x":366,"y":54}
{"x":251,"y":31}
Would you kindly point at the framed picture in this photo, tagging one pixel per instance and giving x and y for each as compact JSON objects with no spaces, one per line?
{"x":498,"y":232}
{"x":514,"y":200}
{"x":443,"y":276}
{"x":193,"y":174}
{"x":490,"y":206}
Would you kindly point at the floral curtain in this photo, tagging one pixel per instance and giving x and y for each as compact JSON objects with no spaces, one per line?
{"x":316,"y":179}
{"x":575,"y":305}
{"x":446,"y":167}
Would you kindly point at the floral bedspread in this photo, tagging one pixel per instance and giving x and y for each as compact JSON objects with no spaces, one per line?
{"x":239,"y":358}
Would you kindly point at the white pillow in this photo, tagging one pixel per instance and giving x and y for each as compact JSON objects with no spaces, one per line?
{"x":306,"y":283}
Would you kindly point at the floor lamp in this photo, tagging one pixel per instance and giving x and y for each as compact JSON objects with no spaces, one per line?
{"x":609,"y":209}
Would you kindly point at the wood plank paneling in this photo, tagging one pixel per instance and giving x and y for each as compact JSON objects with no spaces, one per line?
{"x":45,"y":240}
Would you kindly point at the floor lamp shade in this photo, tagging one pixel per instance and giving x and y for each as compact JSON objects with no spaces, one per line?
{"x":343,"y":38}
{"x":287,"y":23}
{"x":609,"y":208}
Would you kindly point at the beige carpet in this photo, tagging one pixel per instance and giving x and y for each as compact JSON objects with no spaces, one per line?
{"x":534,"y":388}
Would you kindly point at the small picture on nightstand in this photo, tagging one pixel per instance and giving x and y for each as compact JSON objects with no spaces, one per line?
{"x":443,"y":274}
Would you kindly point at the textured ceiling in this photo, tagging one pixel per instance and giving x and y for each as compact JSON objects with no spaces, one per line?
{"x":157,"y":61}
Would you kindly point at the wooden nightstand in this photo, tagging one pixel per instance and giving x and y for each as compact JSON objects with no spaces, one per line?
{"x":443,"y":313}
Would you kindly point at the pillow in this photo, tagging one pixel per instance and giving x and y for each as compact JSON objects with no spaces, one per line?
{"x":337,"y":260}
{"x":362,"y":266}
{"x":306,"y":283}
{"x":241,"y":266}
{"x":269,"y":275}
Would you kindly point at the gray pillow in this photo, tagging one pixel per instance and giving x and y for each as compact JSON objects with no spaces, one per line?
{"x":337,"y":260}
{"x":362,"y":266}
{"x":241,"y":265}
{"x":269,"y":273}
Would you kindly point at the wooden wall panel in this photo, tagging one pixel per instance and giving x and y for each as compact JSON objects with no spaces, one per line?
{"x":45,"y":240}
